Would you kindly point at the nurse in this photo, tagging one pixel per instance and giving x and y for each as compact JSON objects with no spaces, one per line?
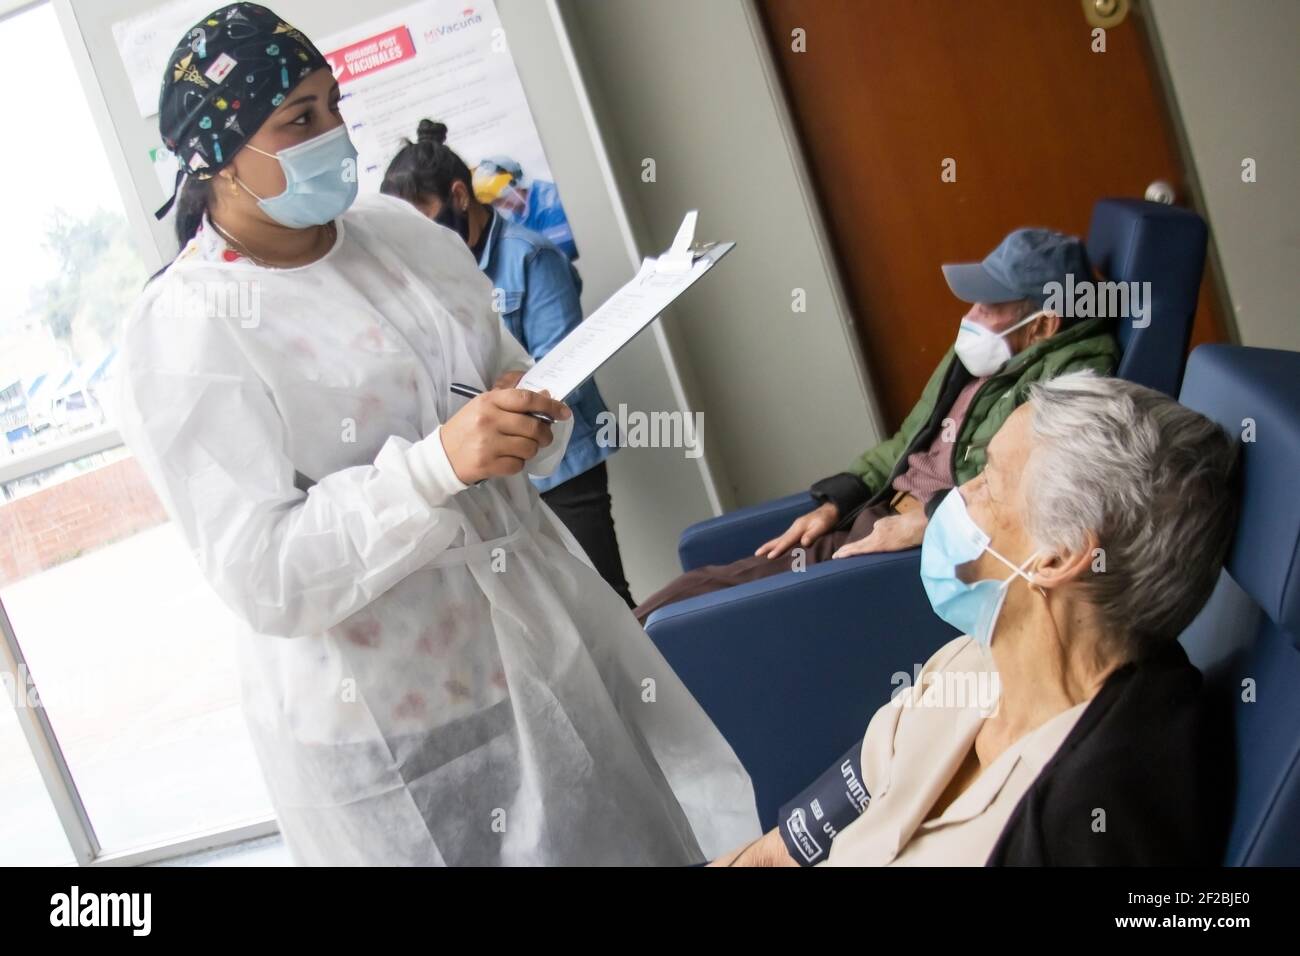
{"x":431,"y":672}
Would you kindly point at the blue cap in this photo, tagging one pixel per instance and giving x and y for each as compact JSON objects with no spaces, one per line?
{"x":1020,"y":268}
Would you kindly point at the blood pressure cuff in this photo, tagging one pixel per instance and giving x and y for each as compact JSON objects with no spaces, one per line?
{"x":811,"y":821}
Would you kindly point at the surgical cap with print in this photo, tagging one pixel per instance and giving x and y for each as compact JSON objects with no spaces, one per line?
{"x":228,"y":73}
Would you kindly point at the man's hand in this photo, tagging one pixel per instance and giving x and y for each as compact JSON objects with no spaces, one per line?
{"x":493,"y":435}
{"x":509,"y":379}
{"x":767,"y":850}
{"x":803,"y":532}
{"x":892,"y":533}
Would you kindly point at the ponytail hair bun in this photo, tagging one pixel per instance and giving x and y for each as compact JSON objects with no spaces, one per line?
{"x":430,"y":132}
{"x":426,"y":168}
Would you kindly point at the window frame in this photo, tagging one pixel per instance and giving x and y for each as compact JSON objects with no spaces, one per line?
{"x":42,"y":741}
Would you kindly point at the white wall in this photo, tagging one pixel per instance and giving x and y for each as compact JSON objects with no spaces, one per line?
{"x":691,"y":84}
{"x":1234,"y":69}
{"x":656,"y":492}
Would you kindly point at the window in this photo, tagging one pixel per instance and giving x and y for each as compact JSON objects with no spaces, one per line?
{"x":133,"y":730}
{"x":30,"y":834}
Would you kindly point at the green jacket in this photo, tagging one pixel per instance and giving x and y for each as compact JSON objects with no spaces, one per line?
{"x":1088,"y":345}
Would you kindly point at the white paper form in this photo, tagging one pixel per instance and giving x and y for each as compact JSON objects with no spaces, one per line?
{"x":614,"y":324}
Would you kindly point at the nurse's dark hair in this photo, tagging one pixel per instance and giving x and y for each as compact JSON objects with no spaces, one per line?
{"x":191,"y":204}
{"x":425,"y":168}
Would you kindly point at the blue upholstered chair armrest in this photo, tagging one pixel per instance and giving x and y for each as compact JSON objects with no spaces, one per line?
{"x":792,"y":667}
{"x":736,"y":534}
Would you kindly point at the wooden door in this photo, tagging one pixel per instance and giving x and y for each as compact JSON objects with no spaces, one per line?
{"x":1037,"y":124}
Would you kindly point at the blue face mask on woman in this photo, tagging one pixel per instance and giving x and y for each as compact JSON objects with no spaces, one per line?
{"x":952,"y":538}
{"x":320,"y":180}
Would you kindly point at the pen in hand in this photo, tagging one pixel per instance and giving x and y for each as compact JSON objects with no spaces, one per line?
{"x":469,"y":391}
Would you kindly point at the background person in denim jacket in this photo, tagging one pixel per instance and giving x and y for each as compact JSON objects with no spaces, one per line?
{"x":537,"y":290}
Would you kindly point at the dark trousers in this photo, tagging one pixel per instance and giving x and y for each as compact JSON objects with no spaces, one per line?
{"x":715,"y":577}
{"x":583,"y":504}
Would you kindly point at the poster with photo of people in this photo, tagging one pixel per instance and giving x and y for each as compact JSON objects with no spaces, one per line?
{"x":448,"y":61}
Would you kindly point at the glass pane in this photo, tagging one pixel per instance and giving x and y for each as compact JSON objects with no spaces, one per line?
{"x":30,"y":834}
{"x":130,"y":650}
{"x":133,"y":657}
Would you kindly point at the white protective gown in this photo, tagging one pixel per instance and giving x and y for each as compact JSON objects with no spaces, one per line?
{"x":430,"y":675}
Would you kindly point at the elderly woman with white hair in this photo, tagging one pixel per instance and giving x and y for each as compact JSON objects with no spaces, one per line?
{"x":1066,"y":727}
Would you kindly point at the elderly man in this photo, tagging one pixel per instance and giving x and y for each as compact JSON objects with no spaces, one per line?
{"x":1091,"y":539}
{"x":1006,"y":342}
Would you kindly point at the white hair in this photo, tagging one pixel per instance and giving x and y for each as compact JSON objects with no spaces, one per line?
{"x":1152,"y":479}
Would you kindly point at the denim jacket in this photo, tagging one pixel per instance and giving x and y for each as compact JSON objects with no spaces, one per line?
{"x":538,"y":290}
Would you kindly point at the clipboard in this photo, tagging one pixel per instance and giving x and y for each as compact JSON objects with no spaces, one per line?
{"x":602,"y":334}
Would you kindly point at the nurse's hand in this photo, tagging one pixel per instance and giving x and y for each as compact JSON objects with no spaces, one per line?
{"x":509,"y":379}
{"x":494,"y":435}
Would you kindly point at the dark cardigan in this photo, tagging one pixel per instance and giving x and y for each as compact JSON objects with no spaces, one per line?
{"x":1146,"y":761}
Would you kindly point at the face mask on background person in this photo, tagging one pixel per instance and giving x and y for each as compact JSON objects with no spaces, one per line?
{"x":512,"y":201}
{"x":982,"y":351}
{"x":320,"y":180}
{"x":952,"y":538}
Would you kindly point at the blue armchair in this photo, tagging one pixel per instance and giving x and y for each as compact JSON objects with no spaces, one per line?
{"x":816,"y":649}
{"x":1247,"y":639}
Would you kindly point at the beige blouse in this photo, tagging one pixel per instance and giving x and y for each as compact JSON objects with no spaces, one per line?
{"x":913,"y":747}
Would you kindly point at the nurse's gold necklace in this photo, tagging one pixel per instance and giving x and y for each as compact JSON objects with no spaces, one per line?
{"x":244,"y":250}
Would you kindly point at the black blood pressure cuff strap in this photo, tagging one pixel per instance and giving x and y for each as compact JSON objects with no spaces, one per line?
{"x":811,"y":821}
{"x":846,"y":491}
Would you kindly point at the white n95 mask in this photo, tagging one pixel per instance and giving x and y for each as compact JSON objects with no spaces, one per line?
{"x":320,"y":180}
{"x":984,"y":352}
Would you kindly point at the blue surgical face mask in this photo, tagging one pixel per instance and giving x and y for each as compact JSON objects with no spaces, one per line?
{"x":320,"y":180}
{"x":952,"y":538}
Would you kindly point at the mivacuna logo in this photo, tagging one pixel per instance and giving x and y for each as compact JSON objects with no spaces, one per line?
{"x":469,"y":17}
{"x":102,"y":909}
